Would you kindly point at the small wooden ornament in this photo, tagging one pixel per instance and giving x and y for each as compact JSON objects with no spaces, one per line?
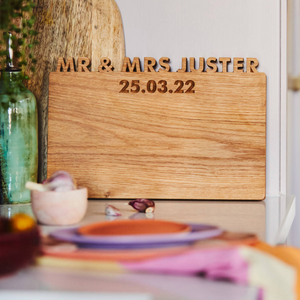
{"x":105,"y":65}
{"x":238,"y":65}
{"x":149,"y":64}
{"x":65,"y":66}
{"x":225,"y":61}
{"x":252,"y":64}
{"x":201,"y":65}
{"x":83,"y":63}
{"x":184,"y":66}
{"x":163,"y":61}
{"x":135,"y":66}
{"x":212,"y":65}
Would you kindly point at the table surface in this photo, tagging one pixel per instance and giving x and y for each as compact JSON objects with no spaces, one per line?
{"x":270,"y":219}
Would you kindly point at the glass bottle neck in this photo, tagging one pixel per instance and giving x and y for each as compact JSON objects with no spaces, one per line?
{"x":11,"y":76}
{"x":11,"y":83}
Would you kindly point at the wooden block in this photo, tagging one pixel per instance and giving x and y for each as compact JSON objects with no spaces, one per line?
{"x":252,"y":64}
{"x":149,"y":64}
{"x":225,"y":61}
{"x":184,"y":66}
{"x":238,"y":65}
{"x":68,"y":66}
{"x":201,"y":65}
{"x":135,"y":66}
{"x":71,"y":28}
{"x":105,"y":65}
{"x":83,"y":63}
{"x":212,"y":65}
{"x":129,"y":135}
{"x":163,"y":61}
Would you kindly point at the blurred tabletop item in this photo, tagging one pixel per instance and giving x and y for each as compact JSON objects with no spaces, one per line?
{"x":62,"y":283}
{"x":271,"y":225}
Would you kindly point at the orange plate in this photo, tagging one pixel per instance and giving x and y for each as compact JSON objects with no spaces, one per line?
{"x":113,"y":255}
{"x":133,"y":227}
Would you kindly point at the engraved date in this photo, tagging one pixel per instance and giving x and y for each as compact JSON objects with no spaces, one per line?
{"x":161,"y":86}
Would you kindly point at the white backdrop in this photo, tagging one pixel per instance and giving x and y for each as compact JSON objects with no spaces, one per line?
{"x":231,"y":28}
{"x":293,"y":174}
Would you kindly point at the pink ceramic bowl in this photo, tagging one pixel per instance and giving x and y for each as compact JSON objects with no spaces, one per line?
{"x":59,"y":208}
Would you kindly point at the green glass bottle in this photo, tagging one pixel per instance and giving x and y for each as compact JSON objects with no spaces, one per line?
{"x":18,"y":137}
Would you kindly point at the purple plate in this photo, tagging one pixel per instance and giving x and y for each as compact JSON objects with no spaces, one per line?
{"x":198,"y":232}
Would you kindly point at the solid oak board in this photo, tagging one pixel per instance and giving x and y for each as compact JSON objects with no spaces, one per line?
{"x":210,"y":144}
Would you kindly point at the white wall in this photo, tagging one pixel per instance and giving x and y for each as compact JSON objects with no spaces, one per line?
{"x":233,"y":28}
{"x":293,"y":115}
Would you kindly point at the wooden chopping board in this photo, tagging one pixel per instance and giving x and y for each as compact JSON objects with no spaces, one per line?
{"x":72,"y":28}
{"x":210,"y":144}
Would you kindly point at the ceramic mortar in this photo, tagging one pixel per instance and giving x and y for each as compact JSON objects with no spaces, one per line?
{"x":59,"y":208}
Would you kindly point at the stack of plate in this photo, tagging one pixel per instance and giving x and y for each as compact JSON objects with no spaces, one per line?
{"x":136,"y":234}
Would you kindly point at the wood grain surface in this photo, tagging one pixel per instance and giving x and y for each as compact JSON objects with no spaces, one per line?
{"x":72,"y":28}
{"x":210,"y":144}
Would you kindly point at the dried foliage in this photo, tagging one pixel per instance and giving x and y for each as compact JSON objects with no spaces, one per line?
{"x":16,"y":17}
